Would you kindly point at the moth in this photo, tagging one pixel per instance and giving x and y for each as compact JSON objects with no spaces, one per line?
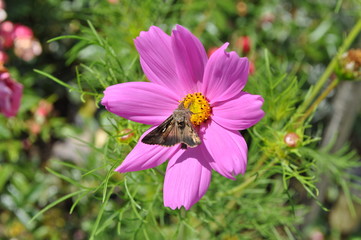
{"x":177,"y":128}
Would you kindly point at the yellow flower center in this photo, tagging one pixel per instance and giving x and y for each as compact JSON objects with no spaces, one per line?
{"x":199,"y":106}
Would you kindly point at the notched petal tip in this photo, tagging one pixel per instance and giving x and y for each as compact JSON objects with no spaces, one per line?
{"x":225,"y":75}
{"x":221,"y":50}
{"x":104,"y":100}
{"x":190,"y":58}
{"x":187,"y":179}
{"x":227,"y":149}
{"x":180,"y":28}
{"x":259,"y":98}
{"x":151,"y":30}
{"x":174,"y":207}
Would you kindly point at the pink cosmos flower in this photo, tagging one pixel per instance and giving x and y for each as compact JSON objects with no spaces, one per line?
{"x":179,"y":70}
{"x":10,"y":95}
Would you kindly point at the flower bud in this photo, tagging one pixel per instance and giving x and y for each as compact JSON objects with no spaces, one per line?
{"x":125,"y":135}
{"x":291,"y":139}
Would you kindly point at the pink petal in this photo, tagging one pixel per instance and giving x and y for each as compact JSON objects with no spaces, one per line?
{"x":157,"y":60}
{"x":239,"y":113}
{"x":227,"y":148}
{"x":187,"y":178}
{"x":142,"y":102}
{"x":144,"y":156}
{"x":225,"y":75}
{"x":190,"y":57}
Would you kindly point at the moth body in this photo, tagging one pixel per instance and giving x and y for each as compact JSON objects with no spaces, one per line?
{"x":176,"y":129}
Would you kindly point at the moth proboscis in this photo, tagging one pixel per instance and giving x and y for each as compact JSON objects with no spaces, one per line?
{"x":177,"y":128}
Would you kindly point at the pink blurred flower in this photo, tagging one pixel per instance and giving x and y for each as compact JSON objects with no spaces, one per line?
{"x":21,"y":31}
{"x":179,"y":70}
{"x":10,"y":95}
{"x":44,"y":108}
{"x":27,"y":48}
{"x":3,"y":14}
{"x":2,"y":4}
{"x":22,"y":38}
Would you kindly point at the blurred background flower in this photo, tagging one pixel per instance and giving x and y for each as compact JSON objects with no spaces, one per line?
{"x":10,"y":94}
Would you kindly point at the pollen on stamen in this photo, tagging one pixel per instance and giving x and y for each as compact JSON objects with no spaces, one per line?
{"x":199,"y":106}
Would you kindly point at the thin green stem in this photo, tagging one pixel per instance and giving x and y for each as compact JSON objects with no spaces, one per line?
{"x":237,"y":191}
{"x":314,"y":105}
{"x":253,"y":176}
{"x":329,"y":70}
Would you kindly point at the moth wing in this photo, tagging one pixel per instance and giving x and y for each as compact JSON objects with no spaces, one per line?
{"x":171,"y":132}
{"x":166,"y":134}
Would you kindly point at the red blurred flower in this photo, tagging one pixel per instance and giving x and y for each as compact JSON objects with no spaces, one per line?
{"x":44,"y":108}
{"x":10,"y":95}
{"x":6,"y":34}
{"x":244,"y":43}
{"x":252,"y":67}
{"x":3,"y":57}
